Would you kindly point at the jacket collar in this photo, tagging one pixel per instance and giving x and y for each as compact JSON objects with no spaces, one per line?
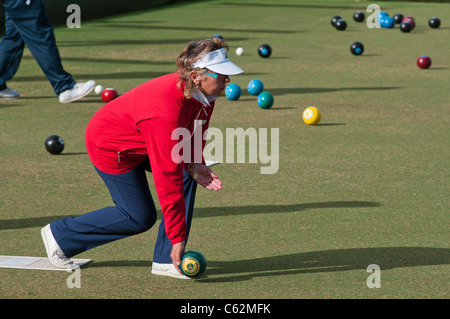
{"x":199,"y":96}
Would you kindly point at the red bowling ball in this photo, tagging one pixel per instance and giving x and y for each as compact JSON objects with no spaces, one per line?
{"x":424,"y":62}
{"x":109,"y":95}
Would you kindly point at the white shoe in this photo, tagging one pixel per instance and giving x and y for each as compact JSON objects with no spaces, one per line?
{"x":9,"y":94}
{"x":54,"y":252}
{"x":167,"y":270}
{"x":79,"y":91}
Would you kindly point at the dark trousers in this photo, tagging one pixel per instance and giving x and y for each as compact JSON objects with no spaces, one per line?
{"x":134,"y":212}
{"x":30,"y":25}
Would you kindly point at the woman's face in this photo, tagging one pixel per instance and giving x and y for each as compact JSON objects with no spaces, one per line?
{"x":210,"y":83}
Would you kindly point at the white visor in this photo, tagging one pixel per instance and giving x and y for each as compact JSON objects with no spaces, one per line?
{"x":217,"y":61}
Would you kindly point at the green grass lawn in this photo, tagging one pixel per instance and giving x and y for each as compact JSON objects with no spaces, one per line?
{"x":368,"y":185}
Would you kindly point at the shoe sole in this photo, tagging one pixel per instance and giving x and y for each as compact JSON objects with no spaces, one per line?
{"x":168,"y":274}
{"x":79,"y":96}
{"x":9,"y":97}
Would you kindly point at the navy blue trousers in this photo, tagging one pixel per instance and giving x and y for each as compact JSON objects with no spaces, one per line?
{"x":30,"y":25}
{"x":134,"y":212}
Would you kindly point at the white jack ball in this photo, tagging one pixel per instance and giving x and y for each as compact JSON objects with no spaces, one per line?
{"x":240,"y":51}
{"x":98,"y":89}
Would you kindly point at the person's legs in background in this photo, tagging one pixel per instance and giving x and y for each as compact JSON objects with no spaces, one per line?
{"x":31,"y":24}
{"x":11,"y":50}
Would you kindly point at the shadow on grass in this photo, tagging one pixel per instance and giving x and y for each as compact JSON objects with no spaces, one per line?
{"x":280,"y":108}
{"x":98,"y":76}
{"x":27,"y":222}
{"x":309,"y":262}
{"x":120,"y":42}
{"x":330,"y":124}
{"x":73,"y":153}
{"x":282,"y":91}
{"x":279,"y":265}
{"x":144,"y":75}
{"x":270,"y":209}
{"x":10,"y":105}
{"x":325,"y":261}
{"x":110,"y":61}
{"x":196,"y":29}
{"x":201,"y":212}
{"x":39,"y":97}
{"x":134,"y":42}
{"x":289,"y":6}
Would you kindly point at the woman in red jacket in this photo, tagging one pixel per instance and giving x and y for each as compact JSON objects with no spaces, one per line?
{"x":140,"y":130}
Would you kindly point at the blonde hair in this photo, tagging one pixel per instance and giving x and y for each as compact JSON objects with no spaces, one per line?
{"x":193,"y":52}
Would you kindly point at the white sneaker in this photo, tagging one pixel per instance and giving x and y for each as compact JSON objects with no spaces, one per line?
{"x":79,"y":91}
{"x":167,"y":270}
{"x":54,"y":252}
{"x":9,"y":94}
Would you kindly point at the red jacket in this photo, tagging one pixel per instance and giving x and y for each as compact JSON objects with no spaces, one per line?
{"x":140,"y":123}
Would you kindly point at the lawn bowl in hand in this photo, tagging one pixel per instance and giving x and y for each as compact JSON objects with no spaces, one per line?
{"x":193,"y":264}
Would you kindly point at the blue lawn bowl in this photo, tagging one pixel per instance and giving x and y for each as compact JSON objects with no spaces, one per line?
{"x":387,"y":22}
{"x":233,"y":91}
{"x":255,"y":87}
{"x":381,"y":15}
{"x":265,"y":100}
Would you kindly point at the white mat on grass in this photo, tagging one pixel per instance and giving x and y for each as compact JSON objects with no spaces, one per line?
{"x":40,"y":263}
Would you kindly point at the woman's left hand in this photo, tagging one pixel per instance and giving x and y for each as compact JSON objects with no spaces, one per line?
{"x":204,"y":176}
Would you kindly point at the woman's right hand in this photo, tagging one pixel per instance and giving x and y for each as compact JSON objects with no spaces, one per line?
{"x":177,"y":253}
{"x":204,"y":176}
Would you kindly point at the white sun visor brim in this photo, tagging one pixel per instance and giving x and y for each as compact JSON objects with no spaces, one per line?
{"x":218,"y":61}
{"x":225,"y":68}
